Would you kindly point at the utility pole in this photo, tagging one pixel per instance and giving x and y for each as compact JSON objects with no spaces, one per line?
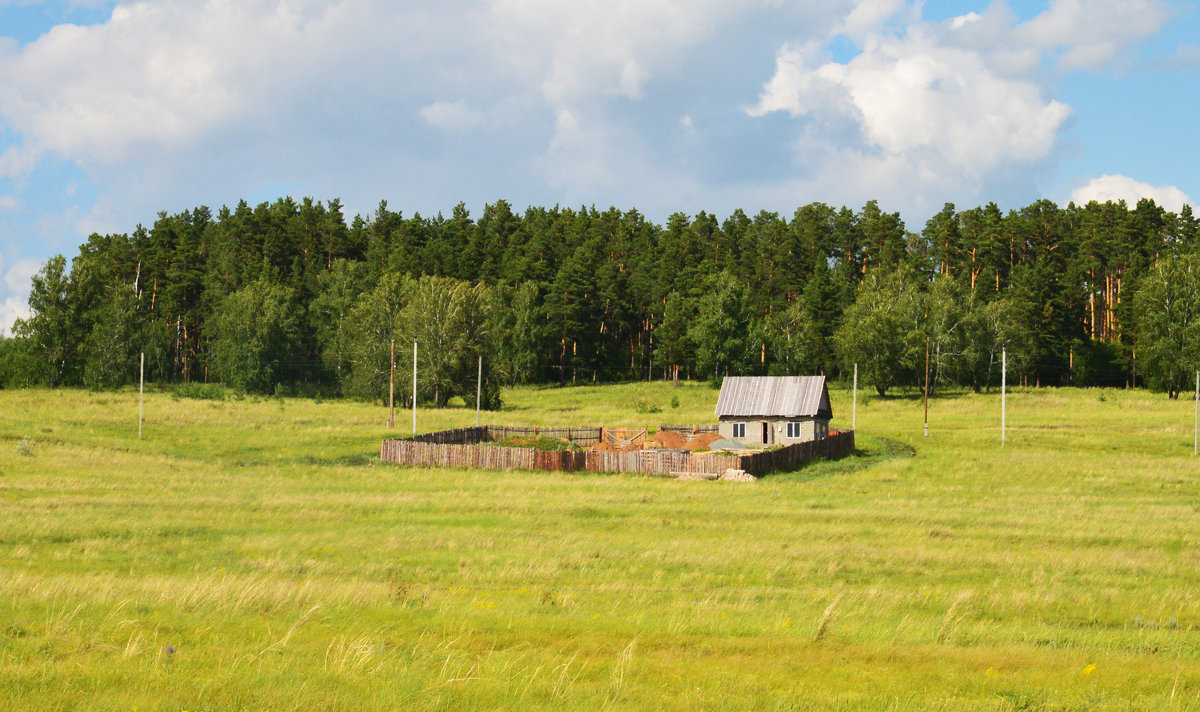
{"x":414,"y":386}
{"x":1003,"y":392}
{"x":927,"y":386}
{"x":478,"y":389}
{"x":854,"y":402}
{"x":1196,"y":426}
{"x":141,"y":392}
{"x":392,"y":390}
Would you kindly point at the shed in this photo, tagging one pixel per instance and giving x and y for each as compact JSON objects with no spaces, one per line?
{"x":768,"y":410}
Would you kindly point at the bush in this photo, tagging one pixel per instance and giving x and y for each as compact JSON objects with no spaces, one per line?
{"x":544,"y":443}
{"x":643,"y":406}
{"x":200,"y":391}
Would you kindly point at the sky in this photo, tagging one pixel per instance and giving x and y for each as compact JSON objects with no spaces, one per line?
{"x":111,"y":112}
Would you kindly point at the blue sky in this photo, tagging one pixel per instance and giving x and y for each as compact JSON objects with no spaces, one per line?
{"x":112,"y":111}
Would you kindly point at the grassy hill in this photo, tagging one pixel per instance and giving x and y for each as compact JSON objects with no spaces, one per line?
{"x":253,"y":555}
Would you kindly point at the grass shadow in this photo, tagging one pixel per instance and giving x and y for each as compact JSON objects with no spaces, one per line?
{"x":861,"y":459}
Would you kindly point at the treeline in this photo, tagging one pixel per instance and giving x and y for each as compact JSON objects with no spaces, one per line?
{"x":288,"y":296}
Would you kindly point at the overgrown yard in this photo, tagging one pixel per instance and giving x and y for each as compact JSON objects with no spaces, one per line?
{"x":252,"y":555}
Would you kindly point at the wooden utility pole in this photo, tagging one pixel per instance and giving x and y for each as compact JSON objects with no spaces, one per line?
{"x":392,"y":390}
{"x":854,"y":402}
{"x":1196,"y":426}
{"x":478,"y":389}
{"x":1003,"y":393}
{"x":141,"y":392}
{"x":414,"y":386}
{"x":927,"y":386}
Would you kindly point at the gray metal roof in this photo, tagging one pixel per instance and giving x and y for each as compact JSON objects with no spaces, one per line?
{"x":774,"y":396}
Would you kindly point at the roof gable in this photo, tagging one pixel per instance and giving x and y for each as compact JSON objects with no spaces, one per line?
{"x":774,"y":396}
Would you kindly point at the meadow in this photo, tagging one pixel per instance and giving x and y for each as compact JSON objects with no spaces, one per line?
{"x":252,"y":554}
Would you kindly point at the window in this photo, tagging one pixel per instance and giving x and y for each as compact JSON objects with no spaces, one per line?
{"x":793,"y":430}
{"x":739,"y":430}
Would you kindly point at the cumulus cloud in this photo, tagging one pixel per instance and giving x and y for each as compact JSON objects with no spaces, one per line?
{"x":17,"y":281}
{"x":453,"y":116}
{"x":173,"y":103}
{"x":1090,"y":33}
{"x":1185,"y":56}
{"x":934,"y":111}
{"x":1118,"y":187}
{"x":577,"y":49}
{"x":175,"y":74}
{"x":924,"y":113}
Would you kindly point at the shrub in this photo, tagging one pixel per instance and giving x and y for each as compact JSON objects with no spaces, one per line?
{"x":200,"y":391}
{"x":643,"y":406}
{"x":538,"y":442}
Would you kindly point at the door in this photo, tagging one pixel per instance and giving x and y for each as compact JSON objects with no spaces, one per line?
{"x":766,"y":433}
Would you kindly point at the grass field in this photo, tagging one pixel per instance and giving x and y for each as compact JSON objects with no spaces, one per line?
{"x":253,"y":555}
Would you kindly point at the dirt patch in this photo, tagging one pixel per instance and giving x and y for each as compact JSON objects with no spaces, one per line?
{"x":632,"y":447}
{"x":603,"y":447}
{"x":702,"y":441}
{"x":670,"y":440}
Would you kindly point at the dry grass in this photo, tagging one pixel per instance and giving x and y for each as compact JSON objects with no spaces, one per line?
{"x":252,"y":555}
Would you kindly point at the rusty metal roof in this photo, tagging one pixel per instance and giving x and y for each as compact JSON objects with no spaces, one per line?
{"x":774,"y":396}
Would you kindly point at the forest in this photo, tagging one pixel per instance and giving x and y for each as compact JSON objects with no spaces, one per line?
{"x":289,"y":297}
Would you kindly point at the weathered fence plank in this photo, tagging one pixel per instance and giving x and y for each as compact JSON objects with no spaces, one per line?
{"x":464,"y":448}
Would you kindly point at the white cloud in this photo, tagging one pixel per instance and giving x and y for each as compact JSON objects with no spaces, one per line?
{"x":868,"y":16}
{"x":11,"y":309}
{"x":174,"y":103}
{"x":1185,"y":56}
{"x":1091,"y":32}
{"x":920,"y":113}
{"x":18,"y":277}
{"x":174,"y":73}
{"x":17,"y":280}
{"x":1117,"y":187}
{"x":452,"y":116}
{"x":574,"y":50}
{"x":9,"y":202}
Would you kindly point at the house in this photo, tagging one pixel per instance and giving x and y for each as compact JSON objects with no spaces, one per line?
{"x":769,"y":410}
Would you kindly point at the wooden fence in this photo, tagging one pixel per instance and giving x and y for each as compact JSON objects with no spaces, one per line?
{"x":620,"y":437}
{"x":583,"y":437}
{"x":441,"y":450}
{"x":691,"y":429}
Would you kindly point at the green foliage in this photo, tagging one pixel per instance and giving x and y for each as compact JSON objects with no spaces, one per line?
{"x":53,"y":330}
{"x":329,"y":312}
{"x":882,"y":330}
{"x":721,"y":328}
{"x":1167,"y":315}
{"x":253,"y":339}
{"x":673,"y":345}
{"x":18,"y":367}
{"x":373,"y":324}
{"x":517,"y":332}
{"x":644,"y":407}
{"x":793,"y":341}
{"x":544,"y":443}
{"x":201,"y":391}
{"x":450,"y":322}
{"x":588,"y":295}
{"x":112,"y":346}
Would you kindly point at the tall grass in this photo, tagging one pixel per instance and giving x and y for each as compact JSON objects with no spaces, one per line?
{"x":253,"y":555}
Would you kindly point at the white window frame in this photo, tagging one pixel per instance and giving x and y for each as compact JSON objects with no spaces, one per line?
{"x":739,"y":430}
{"x":793,"y":430}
